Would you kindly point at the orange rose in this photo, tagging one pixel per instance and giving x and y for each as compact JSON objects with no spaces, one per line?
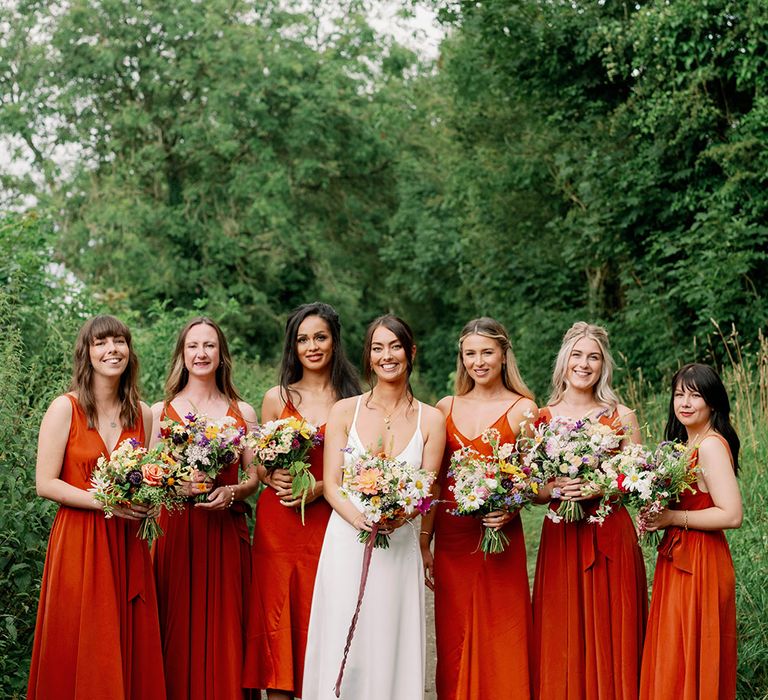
{"x":153,"y":474}
{"x":367,"y":481}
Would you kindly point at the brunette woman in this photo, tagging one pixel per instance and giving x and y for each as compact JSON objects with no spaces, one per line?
{"x":589,"y":594}
{"x":387,"y":656}
{"x":690,"y":648}
{"x":97,"y":633}
{"x":314,"y":374}
{"x":482,"y":602}
{"x":202,"y":564}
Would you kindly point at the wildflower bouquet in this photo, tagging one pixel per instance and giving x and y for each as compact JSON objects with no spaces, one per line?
{"x":648,"y":480}
{"x":569,"y":447}
{"x":285,"y":444}
{"x":202,"y":444}
{"x":483,"y":484}
{"x":133,"y":474}
{"x":384,"y":489}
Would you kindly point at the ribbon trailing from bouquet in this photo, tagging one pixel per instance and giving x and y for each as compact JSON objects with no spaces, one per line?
{"x":363,"y":579}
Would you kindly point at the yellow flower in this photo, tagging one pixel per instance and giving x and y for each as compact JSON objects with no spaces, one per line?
{"x":506,"y":467}
{"x":301,"y":427}
{"x":211,"y":432}
{"x":535,"y":487}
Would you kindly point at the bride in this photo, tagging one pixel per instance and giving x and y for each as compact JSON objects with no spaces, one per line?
{"x":387,"y":656}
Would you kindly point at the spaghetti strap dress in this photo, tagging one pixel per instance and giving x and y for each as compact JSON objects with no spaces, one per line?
{"x":285,"y":555}
{"x":690,"y":647}
{"x":387,"y":657}
{"x":97,"y":633}
{"x":203,"y":569}
{"x":590,"y":605}
{"x":482,"y":602}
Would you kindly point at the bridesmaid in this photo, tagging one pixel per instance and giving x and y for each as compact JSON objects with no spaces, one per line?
{"x":589,"y":594}
{"x":482,"y":603}
{"x":690,"y":648}
{"x":202,"y":564}
{"x":314,"y":374}
{"x":387,"y":655}
{"x":97,"y":633}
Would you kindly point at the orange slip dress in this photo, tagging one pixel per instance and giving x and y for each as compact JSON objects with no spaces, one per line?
{"x":690,"y":647}
{"x":482,"y":602}
{"x":202,"y":568}
{"x":284,"y":555}
{"x":590,"y":604}
{"x":97,"y":633}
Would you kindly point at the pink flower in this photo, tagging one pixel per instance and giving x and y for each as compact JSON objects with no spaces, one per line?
{"x":153,"y":474}
{"x":367,"y":481}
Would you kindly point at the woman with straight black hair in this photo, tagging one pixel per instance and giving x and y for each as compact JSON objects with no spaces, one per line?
{"x":314,"y":374}
{"x":690,"y":645}
{"x":387,"y":657}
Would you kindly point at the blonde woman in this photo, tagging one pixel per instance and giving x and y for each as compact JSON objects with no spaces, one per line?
{"x":589,"y":595}
{"x":482,"y":603}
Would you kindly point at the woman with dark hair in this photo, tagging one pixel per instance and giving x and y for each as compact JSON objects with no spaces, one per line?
{"x":387,"y":656}
{"x":314,"y":374}
{"x":202,"y":564}
{"x":690,"y":647}
{"x":97,"y":633}
{"x":479,"y":597}
{"x":589,"y":594}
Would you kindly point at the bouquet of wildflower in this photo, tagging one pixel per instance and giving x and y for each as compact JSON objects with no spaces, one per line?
{"x":648,"y":480}
{"x":568,"y":447}
{"x":202,"y":444}
{"x":483,"y":484}
{"x":133,"y":474}
{"x":385,"y":489}
{"x":285,"y":444}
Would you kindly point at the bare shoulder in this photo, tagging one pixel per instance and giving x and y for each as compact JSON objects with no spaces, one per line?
{"x":343,"y":407}
{"x":444,"y":405}
{"x":272,"y":404}
{"x":624,"y":411}
{"x":432,"y":418}
{"x":524,"y":407}
{"x":157,"y":409}
{"x":247,"y":412}
{"x":712,"y":451}
{"x":146,"y":412}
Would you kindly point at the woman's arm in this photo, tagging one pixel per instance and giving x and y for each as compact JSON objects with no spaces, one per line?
{"x":434,"y":422}
{"x":225,"y":495}
{"x":631,"y":426}
{"x":716,"y":470}
{"x":336,"y":433}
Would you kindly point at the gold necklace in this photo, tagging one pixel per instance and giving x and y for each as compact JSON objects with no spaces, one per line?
{"x":388,"y":416}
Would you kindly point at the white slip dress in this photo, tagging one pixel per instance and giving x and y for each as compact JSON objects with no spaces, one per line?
{"x":387,"y":658}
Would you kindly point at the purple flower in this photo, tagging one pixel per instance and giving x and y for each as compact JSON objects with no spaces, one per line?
{"x":424,"y":505}
{"x":135,"y":443}
{"x":134,"y":477}
{"x":317,"y":439}
{"x":190,"y":417}
{"x":179,"y":439}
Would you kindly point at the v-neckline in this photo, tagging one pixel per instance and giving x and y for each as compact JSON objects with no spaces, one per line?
{"x":179,"y":419}
{"x":293,"y":408}
{"x":492,"y":425}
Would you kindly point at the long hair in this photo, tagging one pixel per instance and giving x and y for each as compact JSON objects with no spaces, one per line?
{"x":178,"y":376}
{"x":510,"y":374}
{"x":602,"y":391}
{"x":104,"y":326}
{"x":704,"y":380}
{"x":343,"y":375}
{"x":403,"y":333}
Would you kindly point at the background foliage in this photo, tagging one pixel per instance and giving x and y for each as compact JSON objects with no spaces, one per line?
{"x":559,"y":161}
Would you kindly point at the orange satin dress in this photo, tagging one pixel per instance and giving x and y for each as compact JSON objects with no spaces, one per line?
{"x":97,"y":633}
{"x":203,"y":571}
{"x":690,"y":647}
{"x":590,"y":604}
{"x":482,"y":602}
{"x":284,"y":555}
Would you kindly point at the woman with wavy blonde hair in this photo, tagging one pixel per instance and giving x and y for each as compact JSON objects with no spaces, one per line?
{"x":478,"y":598}
{"x":590,"y":578}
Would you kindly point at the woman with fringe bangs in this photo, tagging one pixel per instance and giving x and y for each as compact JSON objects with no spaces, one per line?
{"x":482,"y":602}
{"x":97,"y":633}
{"x":690,"y":647}
{"x":387,"y":655}
{"x":202,"y":564}
{"x":589,"y":593}
{"x":314,"y":374}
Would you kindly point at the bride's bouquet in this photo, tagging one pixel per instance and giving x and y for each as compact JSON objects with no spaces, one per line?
{"x":285,"y":444}
{"x":569,"y":447}
{"x":202,"y":444}
{"x":487,"y":483}
{"x":385,"y":489}
{"x":648,"y":480}
{"x":133,"y":474}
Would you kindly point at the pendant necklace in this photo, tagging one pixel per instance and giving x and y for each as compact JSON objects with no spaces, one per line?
{"x":388,"y":416}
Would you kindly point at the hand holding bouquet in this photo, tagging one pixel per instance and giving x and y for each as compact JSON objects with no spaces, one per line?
{"x":569,"y":447}
{"x":285,"y":444}
{"x":202,"y":444}
{"x":484,"y":484}
{"x":135,"y":475}
{"x":385,"y":490}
